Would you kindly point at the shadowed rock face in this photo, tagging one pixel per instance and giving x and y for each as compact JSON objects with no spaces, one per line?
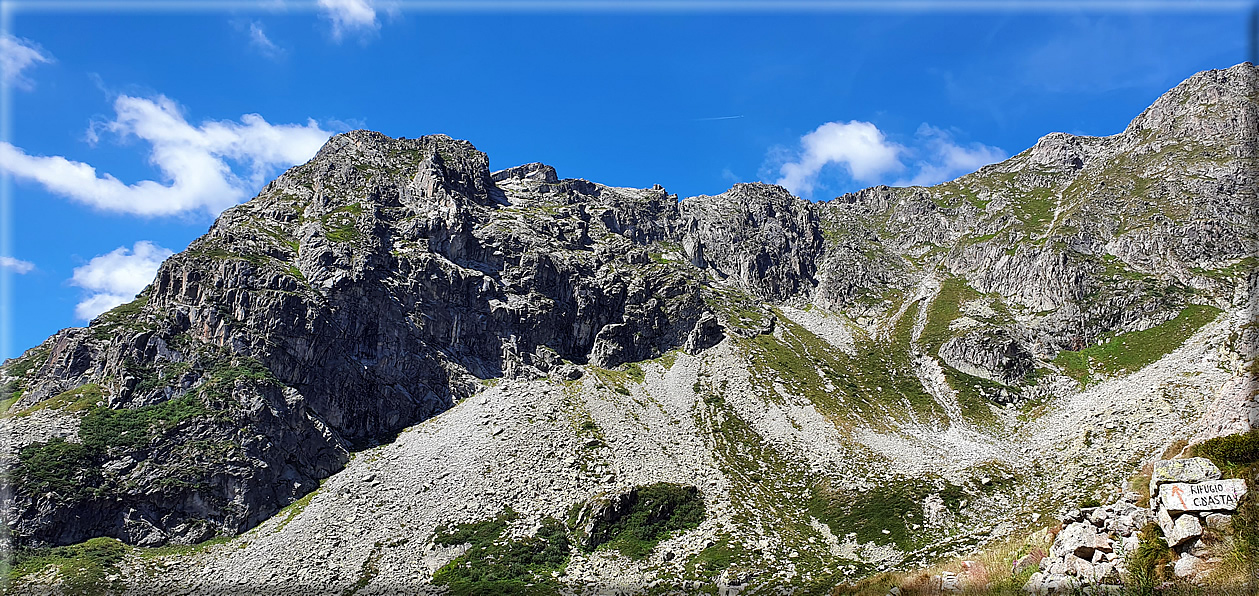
{"x":379,"y":283}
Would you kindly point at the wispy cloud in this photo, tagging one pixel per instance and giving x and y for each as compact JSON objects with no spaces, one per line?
{"x":350,"y":16}
{"x":259,"y":40}
{"x":16,"y":265}
{"x":207,"y":168}
{"x":116,"y":277}
{"x":17,"y":55}
{"x":866,"y":155}
{"x":941,"y":159}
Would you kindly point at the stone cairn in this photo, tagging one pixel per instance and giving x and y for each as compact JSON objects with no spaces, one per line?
{"x":1186,"y":496}
{"x":1089,"y":553}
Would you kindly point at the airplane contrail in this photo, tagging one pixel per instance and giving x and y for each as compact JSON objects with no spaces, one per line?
{"x":718,"y":118}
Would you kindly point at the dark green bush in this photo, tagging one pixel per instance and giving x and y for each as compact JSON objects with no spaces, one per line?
{"x":494,"y":565}
{"x":1246,"y":521}
{"x":56,"y":466}
{"x":481,"y":532}
{"x":1238,"y":449}
{"x":105,"y":428}
{"x":656,"y":511}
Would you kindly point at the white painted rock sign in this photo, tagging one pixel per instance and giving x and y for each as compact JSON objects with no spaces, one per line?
{"x":1214,"y":495}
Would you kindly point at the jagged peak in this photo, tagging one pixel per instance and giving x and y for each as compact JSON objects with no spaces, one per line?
{"x":748,"y":194}
{"x":1235,"y":88}
{"x":534,"y":172}
{"x":356,"y":143}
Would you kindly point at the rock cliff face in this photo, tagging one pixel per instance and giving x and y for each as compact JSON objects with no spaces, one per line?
{"x":387,"y":280}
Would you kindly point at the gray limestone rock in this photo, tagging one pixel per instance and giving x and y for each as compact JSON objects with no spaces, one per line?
{"x":1183,"y":529}
{"x":1193,"y":469}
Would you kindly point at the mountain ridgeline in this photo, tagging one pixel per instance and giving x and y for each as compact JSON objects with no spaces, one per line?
{"x":387,"y":280}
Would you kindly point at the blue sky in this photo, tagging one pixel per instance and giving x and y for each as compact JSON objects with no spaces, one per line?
{"x":128,"y":131}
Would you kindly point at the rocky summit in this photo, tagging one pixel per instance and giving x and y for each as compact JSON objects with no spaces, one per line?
{"x":398,"y":371}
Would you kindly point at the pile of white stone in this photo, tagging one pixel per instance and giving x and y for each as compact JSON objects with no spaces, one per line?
{"x":1188,"y":496}
{"x":1089,"y":553}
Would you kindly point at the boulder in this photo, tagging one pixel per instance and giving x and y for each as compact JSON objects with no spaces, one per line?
{"x":706,"y":334}
{"x":1186,"y":566}
{"x":1193,"y":469}
{"x":1219,"y":521}
{"x":1212,"y":495}
{"x":1080,"y":539}
{"x":1184,"y":528}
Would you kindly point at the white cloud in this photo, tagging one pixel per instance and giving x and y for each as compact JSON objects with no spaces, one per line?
{"x":16,"y":55}
{"x":193,"y":160}
{"x":859,"y":146}
{"x":259,"y":40}
{"x":350,"y":16}
{"x":944,"y":160}
{"x":116,"y":277}
{"x":16,"y":265}
{"x":869,"y":157}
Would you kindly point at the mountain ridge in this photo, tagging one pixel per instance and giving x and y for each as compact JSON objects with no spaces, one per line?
{"x":388,"y":280}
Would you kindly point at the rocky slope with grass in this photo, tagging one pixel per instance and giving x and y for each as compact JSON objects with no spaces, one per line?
{"x":397,"y":369}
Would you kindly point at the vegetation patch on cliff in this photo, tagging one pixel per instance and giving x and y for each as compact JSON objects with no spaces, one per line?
{"x":494,"y":564}
{"x":1129,"y":352}
{"x":891,"y":512}
{"x":84,"y":569}
{"x":877,"y":382}
{"x":19,"y":368}
{"x":657,"y":510}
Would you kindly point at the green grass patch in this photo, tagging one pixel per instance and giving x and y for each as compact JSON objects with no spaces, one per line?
{"x":494,"y":564}
{"x":106,"y":428}
{"x":1150,"y":564}
{"x":668,"y":358}
{"x":656,"y":510}
{"x":1246,"y":521}
{"x":346,"y":233}
{"x":220,"y":253}
{"x":884,"y":514}
{"x":943,"y":310}
{"x":1035,"y":209}
{"x":341,"y":224}
{"x":975,"y":395}
{"x":1241,"y":268}
{"x":616,"y":379}
{"x":740,"y":311}
{"x":1129,"y":352}
{"x":78,"y":399}
{"x":876,"y":383}
{"x":182,"y":549}
{"x":1230,"y":450}
{"x":715,"y":558}
{"x":82,"y":568}
{"x":222,"y":377}
{"x":294,"y":509}
{"x":124,"y":317}
{"x":20,"y":368}
{"x":71,"y":470}
{"x":55,"y":466}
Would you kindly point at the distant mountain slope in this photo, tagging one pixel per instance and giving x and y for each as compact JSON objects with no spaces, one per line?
{"x":892,"y":374}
